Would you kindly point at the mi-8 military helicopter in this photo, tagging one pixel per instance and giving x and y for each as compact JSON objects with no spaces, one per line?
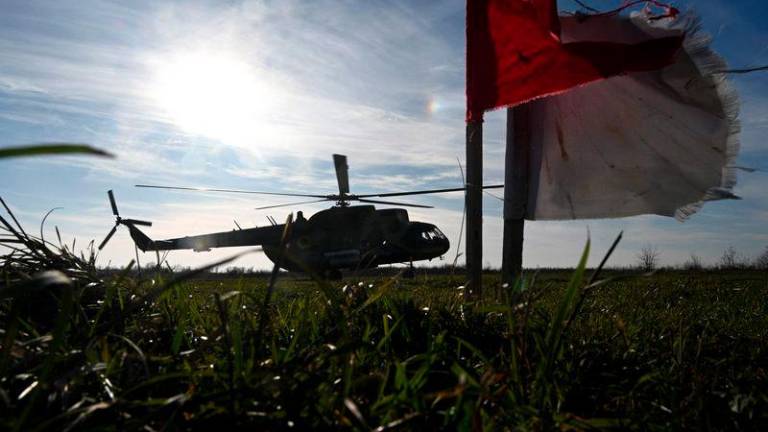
{"x":342,"y":237}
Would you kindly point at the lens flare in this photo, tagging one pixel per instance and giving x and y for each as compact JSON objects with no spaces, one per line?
{"x":433,"y":106}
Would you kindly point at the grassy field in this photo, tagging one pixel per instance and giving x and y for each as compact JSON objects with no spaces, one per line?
{"x":85,"y":350}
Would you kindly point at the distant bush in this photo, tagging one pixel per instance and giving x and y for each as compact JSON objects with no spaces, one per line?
{"x":238,"y":271}
{"x":693,"y":263}
{"x":761,"y":263}
{"x":648,"y":258}
{"x":732,"y":260}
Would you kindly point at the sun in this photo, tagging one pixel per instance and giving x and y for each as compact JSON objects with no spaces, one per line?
{"x":211,"y":94}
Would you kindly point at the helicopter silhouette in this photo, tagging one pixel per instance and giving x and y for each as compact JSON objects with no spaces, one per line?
{"x":342,"y":237}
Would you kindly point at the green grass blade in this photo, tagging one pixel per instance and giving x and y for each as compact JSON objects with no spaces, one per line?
{"x":52,"y":149}
{"x":557,"y":326}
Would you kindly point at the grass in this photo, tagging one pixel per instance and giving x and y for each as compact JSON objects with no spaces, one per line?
{"x":82,"y":350}
{"x":49,"y":149}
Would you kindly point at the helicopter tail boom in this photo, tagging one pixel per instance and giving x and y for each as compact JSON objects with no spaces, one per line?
{"x":203,"y":243}
{"x":143,"y":241}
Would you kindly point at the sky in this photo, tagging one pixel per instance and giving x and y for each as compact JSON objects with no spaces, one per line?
{"x":258,"y":95}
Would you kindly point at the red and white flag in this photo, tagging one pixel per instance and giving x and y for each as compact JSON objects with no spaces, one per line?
{"x":628,"y":115}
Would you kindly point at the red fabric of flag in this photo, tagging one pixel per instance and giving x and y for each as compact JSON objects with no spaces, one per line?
{"x":514,"y":55}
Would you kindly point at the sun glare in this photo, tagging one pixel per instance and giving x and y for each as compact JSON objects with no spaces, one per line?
{"x":214,"y":95}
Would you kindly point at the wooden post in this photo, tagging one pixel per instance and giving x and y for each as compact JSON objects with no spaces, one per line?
{"x":474,"y":204}
{"x":515,"y":191}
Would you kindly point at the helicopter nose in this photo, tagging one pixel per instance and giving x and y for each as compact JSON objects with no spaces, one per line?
{"x":444,"y":246}
{"x":429,"y":239}
{"x":438,"y":246}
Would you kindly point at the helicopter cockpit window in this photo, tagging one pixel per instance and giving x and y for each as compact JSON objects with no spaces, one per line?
{"x":438,"y":233}
{"x":432,"y":234}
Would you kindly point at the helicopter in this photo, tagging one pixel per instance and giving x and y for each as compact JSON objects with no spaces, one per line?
{"x":342,"y":237}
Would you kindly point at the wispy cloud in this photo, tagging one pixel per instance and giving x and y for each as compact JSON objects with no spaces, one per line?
{"x":382,"y":82}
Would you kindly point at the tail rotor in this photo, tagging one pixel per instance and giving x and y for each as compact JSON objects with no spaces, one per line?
{"x":119,"y":221}
{"x":113,"y":204}
{"x":108,"y":237}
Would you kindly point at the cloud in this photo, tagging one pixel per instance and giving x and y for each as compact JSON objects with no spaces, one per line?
{"x":382,"y":82}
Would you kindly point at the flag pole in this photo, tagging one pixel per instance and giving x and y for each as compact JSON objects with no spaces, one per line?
{"x":515,"y":191}
{"x":474,"y":204}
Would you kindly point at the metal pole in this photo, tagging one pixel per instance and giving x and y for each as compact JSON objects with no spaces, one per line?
{"x":515,"y":191}
{"x":474,"y":204}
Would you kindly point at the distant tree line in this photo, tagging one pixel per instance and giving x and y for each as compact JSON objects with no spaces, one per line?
{"x":648,"y":259}
{"x":731,"y":259}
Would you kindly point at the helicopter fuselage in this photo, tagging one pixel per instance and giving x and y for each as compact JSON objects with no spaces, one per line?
{"x":338,"y":238}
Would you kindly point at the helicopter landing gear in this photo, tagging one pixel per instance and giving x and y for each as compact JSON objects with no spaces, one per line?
{"x":410,"y":273}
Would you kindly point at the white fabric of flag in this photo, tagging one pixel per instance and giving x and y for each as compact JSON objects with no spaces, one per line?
{"x":661,"y":142}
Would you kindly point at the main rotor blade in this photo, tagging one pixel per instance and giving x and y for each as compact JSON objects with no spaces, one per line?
{"x":342,"y":173}
{"x":290,"y":204}
{"x":109,"y":236}
{"x":112,"y":202}
{"x":136,"y":222}
{"x":194,"y":189}
{"x":393,"y":203}
{"x":422,"y":192}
